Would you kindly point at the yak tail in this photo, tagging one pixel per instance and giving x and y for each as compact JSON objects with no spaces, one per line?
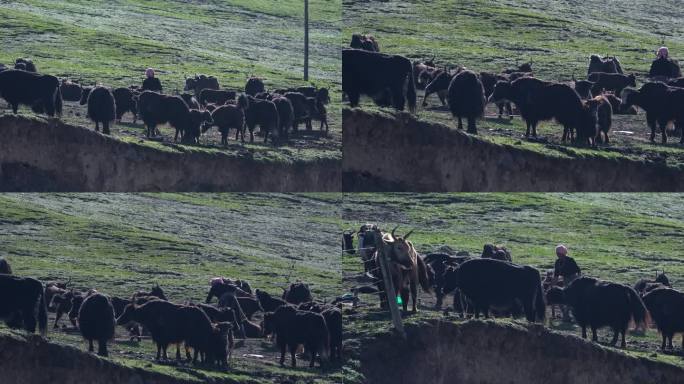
{"x":42,"y":314}
{"x":637,"y":308}
{"x":411,"y":90}
{"x":423,"y":275}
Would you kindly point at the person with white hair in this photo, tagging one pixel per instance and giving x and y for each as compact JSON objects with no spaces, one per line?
{"x":565,"y":267}
{"x":151,"y":83}
{"x":664,"y":67}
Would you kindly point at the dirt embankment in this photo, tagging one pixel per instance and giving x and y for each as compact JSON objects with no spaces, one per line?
{"x":33,"y":360}
{"x":52,"y":156}
{"x":401,"y":153}
{"x":485,"y":352}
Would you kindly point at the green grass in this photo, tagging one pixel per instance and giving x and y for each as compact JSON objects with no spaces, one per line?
{"x":111,"y":43}
{"x":616,"y":237}
{"x":557,"y":37}
{"x":123,"y":243}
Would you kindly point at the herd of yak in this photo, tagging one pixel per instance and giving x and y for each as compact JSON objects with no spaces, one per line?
{"x":207,"y":330}
{"x":492,"y":283}
{"x":276,"y":112}
{"x":584,"y":108}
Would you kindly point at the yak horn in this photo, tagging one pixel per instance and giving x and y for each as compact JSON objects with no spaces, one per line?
{"x":408,"y":234}
{"x":395,"y":228}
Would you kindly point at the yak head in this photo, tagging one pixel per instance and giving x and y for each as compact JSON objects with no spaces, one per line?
{"x":190,"y":83}
{"x":402,"y":250}
{"x":451,"y":279}
{"x":662,"y":278}
{"x":502,"y":91}
{"x":158,"y":292}
{"x":84,"y":95}
{"x":127,"y":315}
{"x":630,"y":97}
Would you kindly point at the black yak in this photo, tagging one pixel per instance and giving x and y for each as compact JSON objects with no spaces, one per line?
{"x":663,"y":67}
{"x":522,"y":92}
{"x":70,"y":91}
{"x":197,"y":331}
{"x":5,"y":267}
{"x":254,"y":85}
{"x":222,"y":314}
{"x":198,"y":121}
{"x":598,"y":303}
{"x":126,"y":101}
{"x":438,"y":264}
{"x":297,"y":293}
{"x":300,"y":109}
{"x":162,"y":320}
{"x":618,"y":107}
{"x":365,"y":42}
{"x":220,"y":286}
{"x":262,"y":113}
{"x":376,"y":74}
{"x":268,"y":302}
{"x":489,"y":283}
{"x":200,"y":82}
{"x":230,"y":116}
{"x":333,"y":320}
{"x":438,"y":85}
{"x":491,"y":251}
{"x":101,"y":107}
{"x":245,"y":307}
{"x":584,"y":88}
{"x":96,"y":322}
{"x":317,"y":109}
{"x":26,"y":65}
{"x":24,"y":297}
{"x":666,"y":307}
{"x":215,"y":96}
{"x":220,"y":344}
{"x":662,"y":104}
{"x":524,"y":67}
{"x":158,"y":109}
{"x":466,"y":99}
{"x":41,"y":92}
{"x":559,"y":102}
{"x":191,"y":101}
{"x":489,"y":81}
{"x":292,"y":328}
{"x":597,"y":120}
{"x":612,"y":82}
{"x":286,"y":116}
{"x":644,"y":285}
{"x":606,"y":64}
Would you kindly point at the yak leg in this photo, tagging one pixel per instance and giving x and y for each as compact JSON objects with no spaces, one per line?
{"x":472,"y":127}
{"x":159,"y":350}
{"x":623,"y":343}
{"x":404,"y":298}
{"x":460,"y":123}
{"x":500,"y":105}
{"x":15,"y":107}
{"x":312,"y":349}
{"x":398,"y":99}
{"x":616,"y":333}
{"x":440,"y":298}
{"x":529,"y":125}
{"x":29,"y":319}
{"x":102,"y":348}
{"x":663,"y":128}
{"x":282,"y":355}
{"x":97,"y":126}
{"x":251,"y":135}
{"x":414,"y":294}
{"x":105,"y":127}
{"x":662,"y":346}
{"x":178,"y":355}
{"x":266,"y":135}
{"x":652,"y":124}
{"x":293,"y":354}
{"x":594,"y":338}
{"x":354,"y":98}
{"x":509,"y":110}
{"x":90,"y":346}
{"x":584,"y":331}
{"x":670,"y":336}
{"x":58,"y":316}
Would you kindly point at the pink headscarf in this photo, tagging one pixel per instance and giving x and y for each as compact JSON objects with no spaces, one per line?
{"x":149,"y":72}
{"x":663,"y":52}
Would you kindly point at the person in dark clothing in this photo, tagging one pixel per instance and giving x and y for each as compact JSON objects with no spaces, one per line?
{"x":151,"y":83}
{"x":565,"y":267}
{"x":663,"y":66}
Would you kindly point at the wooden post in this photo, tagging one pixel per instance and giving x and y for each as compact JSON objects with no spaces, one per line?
{"x":306,"y":40}
{"x":390,"y":292}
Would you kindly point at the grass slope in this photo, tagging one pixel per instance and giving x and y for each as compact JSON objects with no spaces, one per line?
{"x":557,"y":37}
{"x":120,"y":244}
{"x":617,"y":237}
{"x":113,"y":42}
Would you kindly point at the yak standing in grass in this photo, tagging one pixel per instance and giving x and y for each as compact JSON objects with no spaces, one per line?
{"x":489,"y":283}
{"x":521,"y":92}
{"x":158,"y":109}
{"x":663,"y":104}
{"x":214,"y":96}
{"x":466,"y":99}
{"x":200,"y":82}
{"x":297,"y":293}
{"x":406,"y":268}
{"x":643,"y":286}
{"x":126,"y":101}
{"x":300,"y":109}
{"x":5,"y":267}
{"x":101,"y":107}
{"x":365,"y":42}
{"x":161,"y":318}
{"x":612,"y":82}
{"x":597,"y":120}
{"x":489,"y":81}
{"x":666,"y":307}
{"x":596,"y":304}
{"x":438,"y":263}
{"x":438,"y":85}
{"x":559,"y":102}
{"x":40,"y":92}
{"x":25,"y":298}
{"x":379,"y":76}
{"x":263,"y":113}
{"x":230,"y":116}
{"x":286,"y":116}
{"x":70,"y":91}
{"x":96,"y":322}
{"x":606,"y":64}
{"x":292,"y":328}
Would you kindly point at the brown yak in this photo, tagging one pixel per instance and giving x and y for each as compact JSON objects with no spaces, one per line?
{"x":406,"y":268}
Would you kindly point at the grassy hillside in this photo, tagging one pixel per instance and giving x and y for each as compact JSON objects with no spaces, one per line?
{"x":617,"y":237}
{"x":112,"y":43}
{"x":120,"y":244}
{"x":557,"y":37}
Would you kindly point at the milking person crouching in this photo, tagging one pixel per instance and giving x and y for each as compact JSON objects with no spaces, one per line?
{"x":565,"y":267}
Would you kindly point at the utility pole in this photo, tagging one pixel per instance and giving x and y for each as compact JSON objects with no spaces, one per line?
{"x":390,"y":293}
{"x":306,"y":40}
